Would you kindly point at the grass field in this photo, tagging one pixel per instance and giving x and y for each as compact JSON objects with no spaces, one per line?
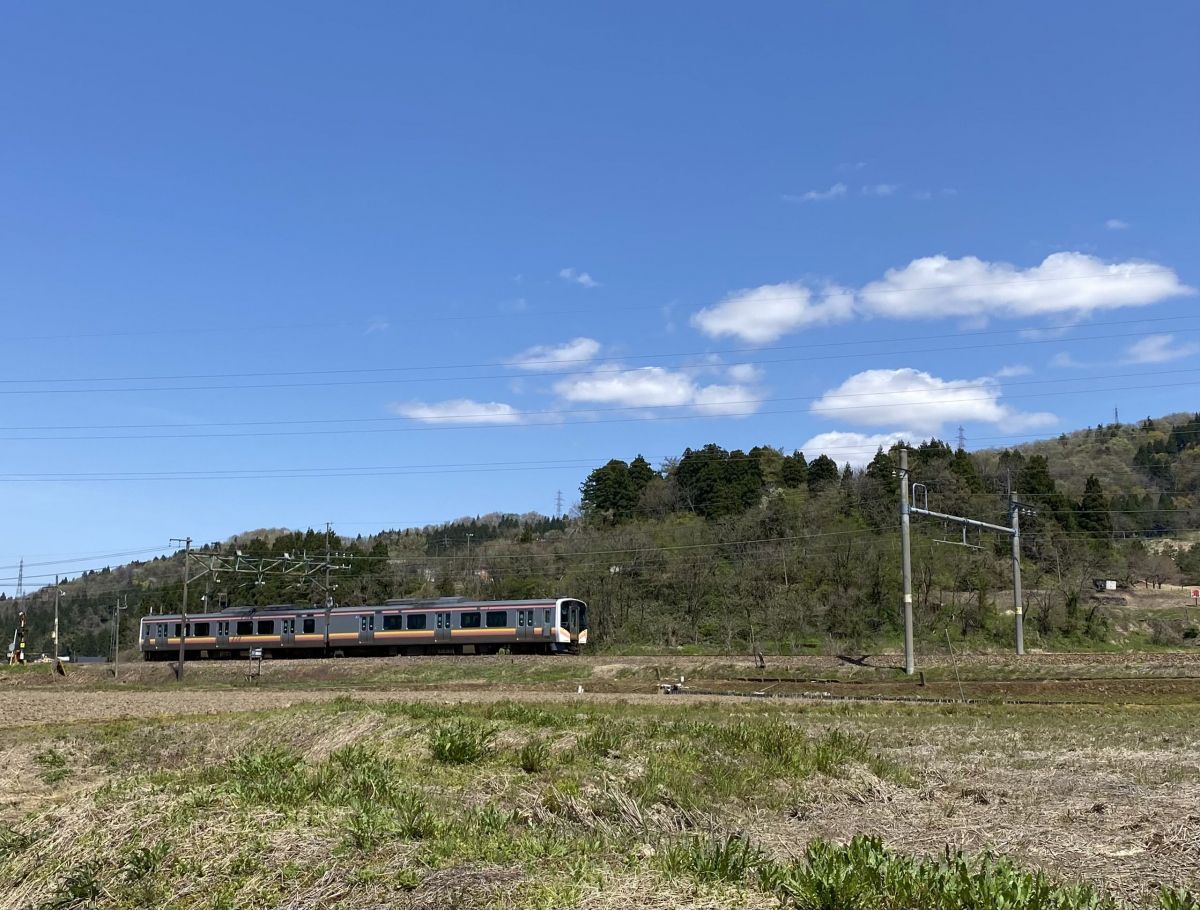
{"x":492,"y":783}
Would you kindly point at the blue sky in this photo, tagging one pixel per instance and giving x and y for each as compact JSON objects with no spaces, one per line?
{"x":810,"y":226}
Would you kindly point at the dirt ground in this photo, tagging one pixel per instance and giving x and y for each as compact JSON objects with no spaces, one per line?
{"x":1106,"y":787}
{"x":35,"y":695}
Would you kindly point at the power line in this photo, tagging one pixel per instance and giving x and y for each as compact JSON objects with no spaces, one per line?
{"x":427,"y":317}
{"x":958,"y":385}
{"x":528,"y":364}
{"x":555,"y":413}
{"x":243,"y":387}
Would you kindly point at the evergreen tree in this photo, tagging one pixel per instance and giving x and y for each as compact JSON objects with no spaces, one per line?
{"x":609,"y":492}
{"x":640,"y":474}
{"x":1093,"y":514}
{"x":822,"y":473}
{"x":794,"y":471}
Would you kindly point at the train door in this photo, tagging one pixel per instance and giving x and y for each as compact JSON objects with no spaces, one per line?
{"x":547,"y":623}
{"x":442,"y":631}
{"x":287,"y":631}
{"x":160,"y":634}
{"x":223,"y":633}
{"x":525,"y":627}
{"x":366,"y":629}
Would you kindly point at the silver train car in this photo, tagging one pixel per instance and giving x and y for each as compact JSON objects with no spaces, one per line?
{"x":447,"y":625}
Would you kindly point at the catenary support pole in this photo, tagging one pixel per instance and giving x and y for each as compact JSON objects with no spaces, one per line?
{"x":906,"y":564}
{"x":57,"y":595}
{"x":183,"y":620}
{"x":116,"y":638}
{"x":1018,"y":607}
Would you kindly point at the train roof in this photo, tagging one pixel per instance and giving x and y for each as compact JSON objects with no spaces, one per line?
{"x":402,"y":603}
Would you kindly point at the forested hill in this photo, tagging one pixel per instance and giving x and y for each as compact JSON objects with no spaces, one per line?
{"x":760,"y":547}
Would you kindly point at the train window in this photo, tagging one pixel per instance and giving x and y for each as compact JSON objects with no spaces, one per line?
{"x":367,"y":623}
{"x":469,"y":620}
{"x":266,"y":627}
{"x":310,"y":626}
{"x":418,"y":620}
{"x":245,"y":627}
{"x":546,"y":617}
{"x":520,"y":617}
{"x":439,"y":620}
{"x":202,"y":628}
{"x":392,"y":622}
{"x":497,"y":619}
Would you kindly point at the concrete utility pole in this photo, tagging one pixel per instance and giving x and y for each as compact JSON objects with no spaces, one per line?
{"x":118,"y":608}
{"x":183,"y":620}
{"x":906,"y":565}
{"x":1018,"y":605}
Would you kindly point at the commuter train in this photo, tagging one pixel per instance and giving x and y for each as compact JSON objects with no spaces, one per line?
{"x":446,"y":625}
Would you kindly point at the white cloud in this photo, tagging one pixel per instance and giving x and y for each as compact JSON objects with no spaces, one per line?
{"x":856,"y":448}
{"x":1069,"y":285}
{"x":745,"y":372}
{"x":937,"y":286}
{"x":880,"y":189}
{"x":551,"y":356}
{"x":763,"y":314}
{"x":1116,"y":224}
{"x":923,"y":402}
{"x":835,"y":191}
{"x":577,"y":277}
{"x":1159,"y":349}
{"x":646,"y":387}
{"x":1012,"y":371}
{"x":458,"y":410}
